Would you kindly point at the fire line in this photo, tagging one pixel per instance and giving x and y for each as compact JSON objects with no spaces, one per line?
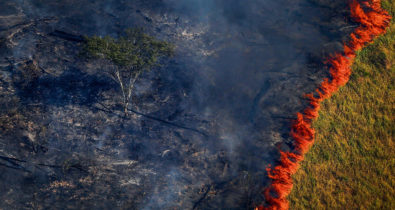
{"x":373,"y":22}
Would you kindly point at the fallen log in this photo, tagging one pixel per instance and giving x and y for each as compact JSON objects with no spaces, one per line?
{"x":67,"y":36}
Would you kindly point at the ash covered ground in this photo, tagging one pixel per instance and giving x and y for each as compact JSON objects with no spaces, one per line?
{"x":203,"y":126}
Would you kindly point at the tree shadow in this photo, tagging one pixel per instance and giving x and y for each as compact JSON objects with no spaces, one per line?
{"x":71,"y":87}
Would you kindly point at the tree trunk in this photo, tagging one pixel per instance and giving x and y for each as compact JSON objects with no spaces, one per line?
{"x":125,"y":108}
{"x":130,"y":89}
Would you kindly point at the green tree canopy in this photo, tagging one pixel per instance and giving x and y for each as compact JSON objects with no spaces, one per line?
{"x":132,"y":53}
{"x":134,"y":49}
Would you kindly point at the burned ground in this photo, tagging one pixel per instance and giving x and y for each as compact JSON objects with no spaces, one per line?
{"x":203,"y":126}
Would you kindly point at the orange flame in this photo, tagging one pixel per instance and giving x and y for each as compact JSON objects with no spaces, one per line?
{"x":373,"y":22}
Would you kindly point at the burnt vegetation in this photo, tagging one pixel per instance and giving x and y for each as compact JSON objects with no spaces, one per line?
{"x":116,"y":122}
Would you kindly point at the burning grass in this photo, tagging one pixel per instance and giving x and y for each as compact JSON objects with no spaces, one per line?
{"x":352,"y":163}
{"x":373,"y":21}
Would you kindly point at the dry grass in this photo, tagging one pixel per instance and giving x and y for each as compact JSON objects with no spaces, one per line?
{"x":352,"y":163}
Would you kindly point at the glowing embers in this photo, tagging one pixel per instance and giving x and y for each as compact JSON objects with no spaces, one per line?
{"x":373,"y":22}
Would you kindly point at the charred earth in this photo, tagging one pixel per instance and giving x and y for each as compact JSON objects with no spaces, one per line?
{"x":203,"y":125}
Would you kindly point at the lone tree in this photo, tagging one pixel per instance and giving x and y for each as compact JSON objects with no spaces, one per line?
{"x":132,"y":53}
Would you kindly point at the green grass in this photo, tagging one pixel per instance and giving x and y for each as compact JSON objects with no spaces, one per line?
{"x":352,"y":163}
